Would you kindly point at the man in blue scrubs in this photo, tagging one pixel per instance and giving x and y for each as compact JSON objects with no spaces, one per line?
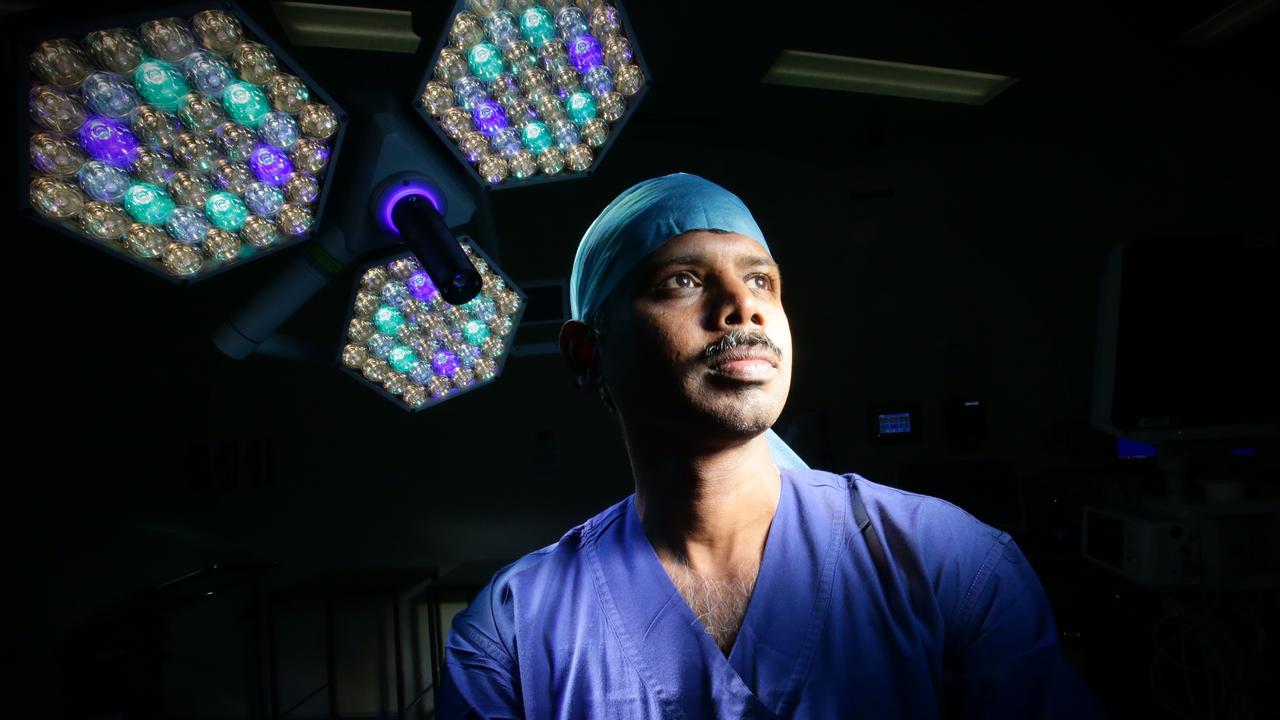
{"x":736,"y":582}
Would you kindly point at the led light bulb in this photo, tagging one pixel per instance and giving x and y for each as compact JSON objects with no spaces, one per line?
{"x":160,"y":84}
{"x":148,"y":204}
{"x":225,"y":210}
{"x":485,"y":61}
{"x":537,"y":26}
{"x":245,"y":103}
{"x":109,"y":140}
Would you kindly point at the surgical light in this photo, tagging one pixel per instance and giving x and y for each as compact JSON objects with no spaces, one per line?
{"x":524,"y":91}
{"x":416,"y":219}
{"x":406,"y":341}
{"x":185,"y":144}
{"x":392,"y":161}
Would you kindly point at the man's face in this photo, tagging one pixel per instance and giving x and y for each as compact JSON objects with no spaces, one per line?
{"x":695,"y":338}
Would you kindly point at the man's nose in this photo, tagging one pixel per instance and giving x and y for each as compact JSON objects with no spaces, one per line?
{"x":738,"y":306}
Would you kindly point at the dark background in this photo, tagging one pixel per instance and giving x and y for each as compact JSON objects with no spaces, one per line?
{"x":930,"y":252}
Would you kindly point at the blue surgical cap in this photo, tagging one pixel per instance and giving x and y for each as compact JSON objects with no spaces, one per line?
{"x":642,"y":219}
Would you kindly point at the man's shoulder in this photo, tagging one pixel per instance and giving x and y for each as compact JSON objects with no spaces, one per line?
{"x":559,"y":557}
{"x":516,"y":595}
{"x":927,"y":525}
{"x":930,"y":514}
{"x":926,"y":540}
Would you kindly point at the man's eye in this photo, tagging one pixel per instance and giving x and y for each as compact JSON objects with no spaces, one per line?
{"x":763,"y":282}
{"x":680,"y":280}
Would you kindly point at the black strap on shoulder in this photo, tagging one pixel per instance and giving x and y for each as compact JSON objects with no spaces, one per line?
{"x":862,"y":521}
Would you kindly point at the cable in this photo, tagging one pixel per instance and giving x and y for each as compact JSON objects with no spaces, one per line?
{"x":1217,"y":670}
{"x":1162,"y":649}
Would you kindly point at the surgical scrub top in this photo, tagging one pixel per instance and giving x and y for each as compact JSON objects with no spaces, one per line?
{"x":870,"y":602}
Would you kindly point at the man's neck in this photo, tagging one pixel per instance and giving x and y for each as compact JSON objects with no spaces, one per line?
{"x":710,"y":510}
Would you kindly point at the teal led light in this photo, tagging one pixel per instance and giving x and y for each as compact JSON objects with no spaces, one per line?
{"x":536,"y":137}
{"x":476,"y":332}
{"x":403,"y":359}
{"x":148,"y":203}
{"x":226,"y":211}
{"x":537,"y":26}
{"x":485,"y":61}
{"x":160,"y":84}
{"x":483,"y":308}
{"x":245,"y":103}
{"x":580,"y":107}
{"x":388,"y":319}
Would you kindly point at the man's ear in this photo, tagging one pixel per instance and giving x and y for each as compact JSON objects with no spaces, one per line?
{"x":578,"y":346}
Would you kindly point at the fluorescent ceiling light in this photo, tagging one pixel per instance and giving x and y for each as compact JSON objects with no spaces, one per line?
{"x":1227,"y":22}
{"x":343,"y":26}
{"x":879,"y":77}
{"x":8,"y":8}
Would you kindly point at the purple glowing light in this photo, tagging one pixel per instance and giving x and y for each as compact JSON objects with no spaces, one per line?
{"x":402,"y":192}
{"x":585,"y":53}
{"x":270,"y":165}
{"x":445,"y":363}
{"x":110,"y":141}
{"x":421,"y":287}
{"x":488,"y":117}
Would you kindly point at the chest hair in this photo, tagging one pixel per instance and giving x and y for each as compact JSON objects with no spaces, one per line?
{"x":720,"y":604}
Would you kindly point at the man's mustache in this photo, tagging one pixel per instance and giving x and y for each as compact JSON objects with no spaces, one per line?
{"x":734,"y":338}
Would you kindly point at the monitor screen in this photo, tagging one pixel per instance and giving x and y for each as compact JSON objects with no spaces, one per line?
{"x":895,"y":423}
{"x":1193,"y":339}
{"x":1131,"y":450}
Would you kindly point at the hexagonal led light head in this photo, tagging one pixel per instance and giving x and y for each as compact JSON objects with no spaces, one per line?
{"x":404,"y":341}
{"x":188,"y":145}
{"x":526,"y":91}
